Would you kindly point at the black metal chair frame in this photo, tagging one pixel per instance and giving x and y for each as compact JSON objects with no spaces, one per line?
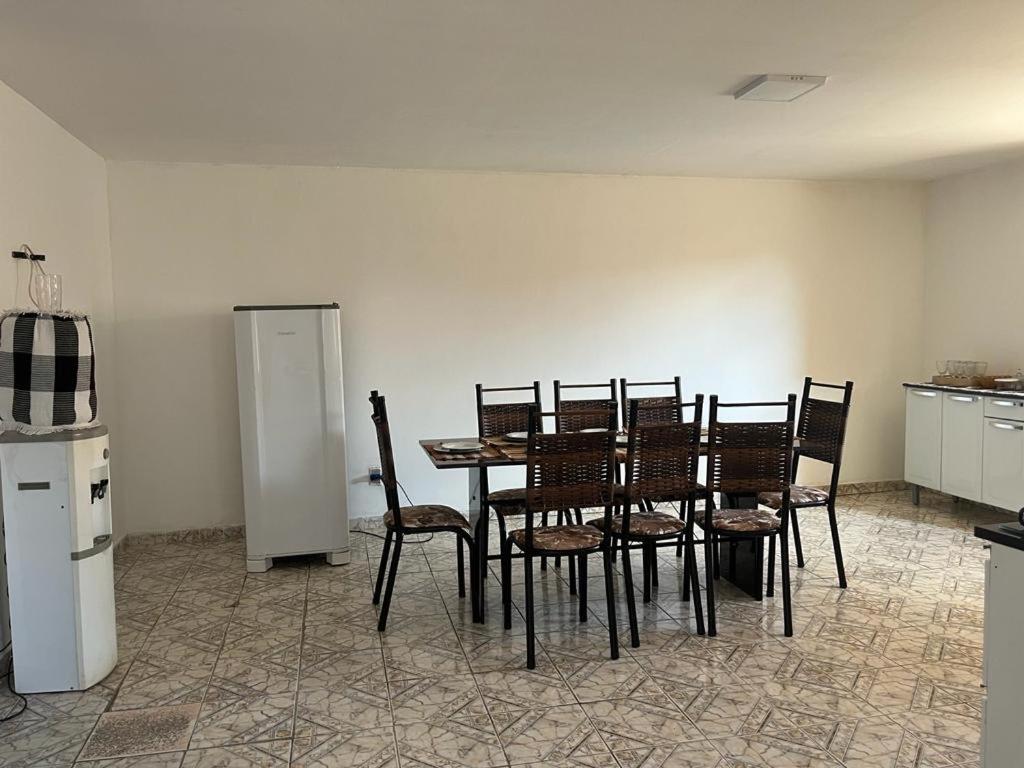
{"x":821,"y":431}
{"x":657,"y":408}
{"x":571,"y":421}
{"x":397,"y":532}
{"x":682,"y":438}
{"x":758,"y":457}
{"x":495,"y":420}
{"x":544,"y":496}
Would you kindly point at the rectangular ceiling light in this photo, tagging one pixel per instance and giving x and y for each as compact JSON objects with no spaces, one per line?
{"x":779,"y":87}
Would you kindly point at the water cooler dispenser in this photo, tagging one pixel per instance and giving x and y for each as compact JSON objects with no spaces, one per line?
{"x":56,"y":512}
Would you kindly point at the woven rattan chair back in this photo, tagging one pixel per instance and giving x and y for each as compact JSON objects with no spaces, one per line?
{"x":569,"y":420}
{"x":668,"y":401}
{"x":749,"y":457}
{"x":387,"y":457}
{"x":662,"y":458}
{"x":822,"y":423}
{"x":657,"y":410}
{"x":569,"y":470}
{"x":497,"y":419}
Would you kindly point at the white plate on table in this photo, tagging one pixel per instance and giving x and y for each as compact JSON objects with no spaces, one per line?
{"x":517,"y":437}
{"x":594,"y":429}
{"x":461,"y":446}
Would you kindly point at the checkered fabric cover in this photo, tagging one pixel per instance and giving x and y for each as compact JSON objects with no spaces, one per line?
{"x":47,"y":372}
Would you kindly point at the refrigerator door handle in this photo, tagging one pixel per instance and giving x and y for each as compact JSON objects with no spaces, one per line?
{"x":99,"y":544}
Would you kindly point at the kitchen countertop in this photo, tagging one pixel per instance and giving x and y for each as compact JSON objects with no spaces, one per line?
{"x":1007,"y":534}
{"x":1009,"y":394}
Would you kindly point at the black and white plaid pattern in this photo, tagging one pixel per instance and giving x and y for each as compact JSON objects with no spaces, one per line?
{"x":47,"y":372}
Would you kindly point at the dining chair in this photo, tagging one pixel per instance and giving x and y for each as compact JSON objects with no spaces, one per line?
{"x":662,"y":459}
{"x":496,"y":419}
{"x":670,"y":400}
{"x":820,"y":431}
{"x":572,"y":419}
{"x":400,"y":521}
{"x":564,"y":470}
{"x":574,"y":422}
{"x":747,"y":458}
{"x":667,"y":410}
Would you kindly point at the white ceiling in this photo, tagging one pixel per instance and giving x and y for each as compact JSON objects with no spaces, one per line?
{"x":917,"y":88}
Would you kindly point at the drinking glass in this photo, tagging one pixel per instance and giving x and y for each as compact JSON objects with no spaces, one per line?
{"x":48,"y":292}
{"x":942,"y":366}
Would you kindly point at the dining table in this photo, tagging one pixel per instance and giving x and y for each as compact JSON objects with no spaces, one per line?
{"x":741,"y":565}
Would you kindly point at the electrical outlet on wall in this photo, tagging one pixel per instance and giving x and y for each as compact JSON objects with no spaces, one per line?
{"x":375,"y":475}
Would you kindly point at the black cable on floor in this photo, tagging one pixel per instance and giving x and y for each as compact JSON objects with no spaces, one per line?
{"x":10,"y":687}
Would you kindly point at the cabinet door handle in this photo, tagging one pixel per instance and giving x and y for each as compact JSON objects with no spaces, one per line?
{"x":924,"y":393}
{"x":1004,"y":425}
{"x":1008,"y":403}
{"x":963,"y":398}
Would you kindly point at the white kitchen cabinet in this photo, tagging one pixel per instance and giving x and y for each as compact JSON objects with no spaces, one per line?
{"x":923,"y":457}
{"x":1005,"y":408}
{"x":962,"y":438}
{"x":1003,"y":464}
{"x":966,"y":443}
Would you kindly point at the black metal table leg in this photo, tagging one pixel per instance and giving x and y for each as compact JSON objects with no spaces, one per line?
{"x":742,"y":561}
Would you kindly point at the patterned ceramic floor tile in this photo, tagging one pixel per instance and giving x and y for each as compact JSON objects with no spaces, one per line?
{"x":551,"y":735}
{"x":166,"y":760}
{"x":141,"y":732}
{"x":154,"y":682}
{"x":347,"y":749}
{"x":436,"y":697}
{"x":472,"y":744}
{"x":31,"y":740}
{"x":696,"y":754}
{"x":521,"y":688}
{"x":487,"y":652}
{"x":264,"y":755}
{"x":229,"y":716}
{"x":598,"y":679}
{"x":772,"y":753}
{"x":424,"y":657}
{"x":288,"y":664}
{"x":641,"y":722}
{"x":358,"y":699}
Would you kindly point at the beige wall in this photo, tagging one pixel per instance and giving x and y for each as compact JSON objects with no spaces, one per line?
{"x":975,"y":268}
{"x":53,"y":196}
{"x":446,"y":279}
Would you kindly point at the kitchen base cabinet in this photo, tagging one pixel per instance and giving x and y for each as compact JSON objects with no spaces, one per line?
{"x":962,"y":436}
{"x":1002,"y":482}
{"x":967,"y":443}
{"x":923,"y":456}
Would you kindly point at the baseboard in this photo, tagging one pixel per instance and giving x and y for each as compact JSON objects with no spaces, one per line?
{"x":877,"y":486}
{"x":183,"y":536}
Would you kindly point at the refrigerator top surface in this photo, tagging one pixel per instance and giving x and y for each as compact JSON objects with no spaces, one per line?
{"x":265,"y":307}
{"x":59,"y":436}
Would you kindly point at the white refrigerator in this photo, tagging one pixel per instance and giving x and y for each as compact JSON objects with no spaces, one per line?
{"x":292,"y":419}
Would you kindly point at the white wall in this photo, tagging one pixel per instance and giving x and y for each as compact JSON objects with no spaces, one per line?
{"x":975,"y":269}
{"x":53,"y":196}
{"x":446,"y":279}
